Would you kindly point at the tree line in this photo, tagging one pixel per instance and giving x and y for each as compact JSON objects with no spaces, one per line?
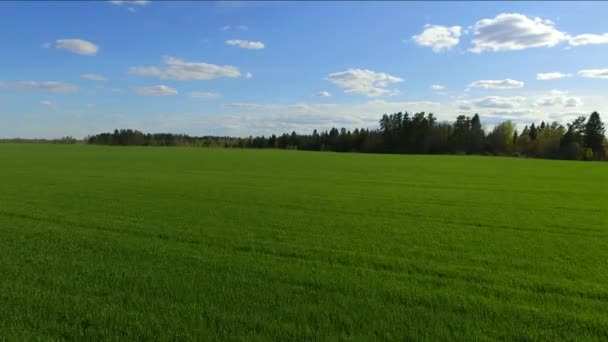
{"x":420,"y":133}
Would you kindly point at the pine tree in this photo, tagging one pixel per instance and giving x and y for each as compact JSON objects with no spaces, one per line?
{"x":595,"y":133}
{"x":533,"y":132}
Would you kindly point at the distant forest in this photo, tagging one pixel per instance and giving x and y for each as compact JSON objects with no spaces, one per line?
{"x":420,"y":133}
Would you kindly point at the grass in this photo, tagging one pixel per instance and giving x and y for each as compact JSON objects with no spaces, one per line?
{"x":211,"y":244}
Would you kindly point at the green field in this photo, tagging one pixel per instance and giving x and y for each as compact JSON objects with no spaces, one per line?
{"x":185,"y":243}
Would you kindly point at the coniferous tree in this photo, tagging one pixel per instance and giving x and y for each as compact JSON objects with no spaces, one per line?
{"x":533,"y":132}
{"x":477,"y":135}
{"x":595,"y":134}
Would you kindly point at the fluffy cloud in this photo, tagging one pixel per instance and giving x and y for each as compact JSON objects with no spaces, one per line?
{"x":158,"y":90}
{"x":588,"y":39}
{"x":491,"y":102}
{"x":322,"y":94}
{"x":439,"y":38}
{"x":551,"y":76}
{"x":513,"y":31}
{"x":594,"y":73}
{"x":559,"y":98}
{"x":497,"y":84}
{"x":94,"y":77}
{"x":79,"y":46}
{"x":245,"y":44}
{"x":364,"y":82}
{"x":177,"y":69}
{"x":437,"y":87}
{"x":203,"y":95}
{"x":499,"y":102}
{"x":55,"y":87}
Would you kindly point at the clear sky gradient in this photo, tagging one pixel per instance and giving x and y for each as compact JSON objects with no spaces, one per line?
{"x":241,"y":68}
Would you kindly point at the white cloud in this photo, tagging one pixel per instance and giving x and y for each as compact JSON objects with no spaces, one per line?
{"x":551,"y":76}
{"x":79,"y":46}
{"x":497,"y":84}
{"x":513,"y":31}
{"x":558,"y":98}
{"x":594,"y":73}
{"x":589,"y":39}
{"x":47,"y":103}
{"x":130,"y":2}
{"x":364,"y":82}
{"x":94,"y":77}
{"x":437,"y":87}
{"x":248,"y":75}
{"x":245,"y":44}
{"x":322,"y":94}
{"x":492,"y":102}
{"x":535,"y":107}
{"x":203,"y":95}
{"x":271,"y":118}
{"x":55,"y":87}
{"x":439,"y":38}
{"x":177,"y":69}
{"x":158,"y":90}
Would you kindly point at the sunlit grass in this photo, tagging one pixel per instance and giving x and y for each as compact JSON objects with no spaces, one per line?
{"x":161,"y":243}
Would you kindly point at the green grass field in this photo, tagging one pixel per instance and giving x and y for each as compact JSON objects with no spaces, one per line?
{"x":184,"y":243}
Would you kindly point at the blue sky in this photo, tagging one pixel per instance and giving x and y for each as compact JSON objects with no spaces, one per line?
{"x":241,"y":68}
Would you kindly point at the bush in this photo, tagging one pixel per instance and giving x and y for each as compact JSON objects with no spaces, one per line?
{"x":573,"y":151}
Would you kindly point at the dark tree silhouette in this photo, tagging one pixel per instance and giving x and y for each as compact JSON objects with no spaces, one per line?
{"x":404,"y":133}
{"x":595,"y":135}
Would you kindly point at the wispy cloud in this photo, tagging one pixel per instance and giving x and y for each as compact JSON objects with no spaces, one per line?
{"x":245,"y":44}
{"x":52,"y":86}
{"x":322,"y":94}
{"x":203,"y":95}
{"x":497,"y":84}
{"x":178,"y":69}
{"x":364,"y":82}
{"x":48,"y":104}
{"x":78,"y":46}
{"x":589,"y":39}
{"x":158,"y":90}
{"x":594,"y":73}
{"x":551,"y":76}
{"x":237,"y":27}
{"x":94,"y":77}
